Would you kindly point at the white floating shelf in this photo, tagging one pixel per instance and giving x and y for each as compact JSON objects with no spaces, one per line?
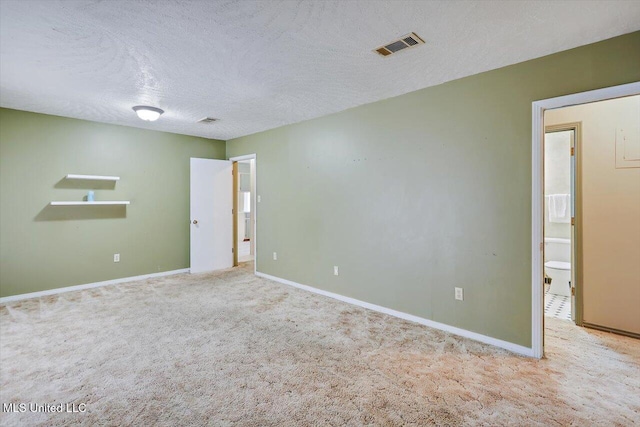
{"x":93,"y":177}
{"x":110,"y":202}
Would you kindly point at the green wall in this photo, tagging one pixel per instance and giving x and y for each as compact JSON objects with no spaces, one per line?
{"x":44,"y":247}
{"x":415,"y":195}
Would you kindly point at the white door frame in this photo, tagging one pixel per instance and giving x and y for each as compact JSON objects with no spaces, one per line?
{"x":254,"y":204}
{"x":537,"y":196}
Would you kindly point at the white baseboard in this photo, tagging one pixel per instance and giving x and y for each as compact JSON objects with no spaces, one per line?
{"x":89,"y":286}
{"x":515,"y":348}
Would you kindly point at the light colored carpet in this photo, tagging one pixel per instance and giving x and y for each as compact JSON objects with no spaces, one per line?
{"x":233,"y":349}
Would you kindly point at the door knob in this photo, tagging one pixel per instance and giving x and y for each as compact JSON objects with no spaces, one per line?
{"x":195,"y":221}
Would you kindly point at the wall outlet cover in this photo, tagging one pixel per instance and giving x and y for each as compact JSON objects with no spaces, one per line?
{"x":275,"y":256}
{"x":459,"y":294}
{"x":116,"y":257}
{"x":335,"y":270}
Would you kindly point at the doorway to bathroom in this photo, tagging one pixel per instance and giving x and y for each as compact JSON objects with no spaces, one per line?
{"x":561,"y":148}
{"x":600,"y":209}
{"x":244,"y":210}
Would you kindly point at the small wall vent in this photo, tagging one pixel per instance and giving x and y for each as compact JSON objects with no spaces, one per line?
{"x":207,"y":120}
{"x":404,"y":42}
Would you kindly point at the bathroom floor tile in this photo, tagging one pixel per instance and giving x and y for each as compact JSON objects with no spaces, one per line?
{"x":557,"y":306}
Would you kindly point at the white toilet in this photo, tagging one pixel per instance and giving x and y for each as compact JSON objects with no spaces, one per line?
{"x":557,"y":264}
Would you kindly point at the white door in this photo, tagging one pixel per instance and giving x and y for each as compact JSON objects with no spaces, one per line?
{"x":211,"y":215}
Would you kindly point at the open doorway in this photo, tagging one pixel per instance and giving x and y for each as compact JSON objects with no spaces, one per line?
{"x":245,"y":230}
{"x":560,"y":150}
{"x":604,"y":208}
{"x":244,"y":203}
{"x":588,"y":211}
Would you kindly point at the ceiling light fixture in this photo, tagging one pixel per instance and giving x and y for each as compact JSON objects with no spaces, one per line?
{"x":149,"y":114}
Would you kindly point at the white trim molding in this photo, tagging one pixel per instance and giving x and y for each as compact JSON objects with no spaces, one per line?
{"x":20,"y":297}
{"x":515,"y":348}
{"x":537,"y":195}
{"x":243,"y":157}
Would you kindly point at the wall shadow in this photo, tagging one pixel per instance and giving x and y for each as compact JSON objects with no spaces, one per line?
{"x":70,"y":213}
{"x":85,"y":184}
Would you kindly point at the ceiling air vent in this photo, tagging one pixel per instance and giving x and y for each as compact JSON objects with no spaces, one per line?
{"x":404,"y":42}
{"x":207,"y":120}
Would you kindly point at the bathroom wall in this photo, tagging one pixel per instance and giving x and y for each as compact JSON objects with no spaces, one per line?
{"x":557,"y":177}
{"x":46,"y":247}
{"x":611,"y":210}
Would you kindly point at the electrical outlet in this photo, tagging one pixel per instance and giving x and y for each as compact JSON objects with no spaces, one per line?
{"x":335,"y":270}
{"x":459,"y":294}
{"x":275,"y":256}
{"x":116,"y":257}
{"x":259,"y":198}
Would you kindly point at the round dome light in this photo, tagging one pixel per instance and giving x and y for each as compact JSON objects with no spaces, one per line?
{"x":149,"y":114}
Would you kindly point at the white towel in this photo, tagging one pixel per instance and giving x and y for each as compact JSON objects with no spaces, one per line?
{"x":559,"y":206}
{"x":247,"y":202}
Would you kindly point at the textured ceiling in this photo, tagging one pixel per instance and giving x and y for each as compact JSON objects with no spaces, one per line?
{"x":257,"y":65}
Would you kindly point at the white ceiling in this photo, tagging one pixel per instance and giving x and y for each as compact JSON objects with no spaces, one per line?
{"x":257,"y":65}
